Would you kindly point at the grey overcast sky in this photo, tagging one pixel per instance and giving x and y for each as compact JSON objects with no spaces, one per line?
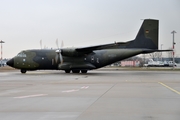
{"x":23,"y":23}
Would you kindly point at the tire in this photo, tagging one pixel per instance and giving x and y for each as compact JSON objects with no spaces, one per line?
{"x":23,"y":71}
{"x":75,"y":71}
{"x":83,"y":71}
{"x":67,"y":71}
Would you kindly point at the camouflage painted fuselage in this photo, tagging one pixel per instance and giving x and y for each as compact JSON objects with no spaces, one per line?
{"x":45,"y":59}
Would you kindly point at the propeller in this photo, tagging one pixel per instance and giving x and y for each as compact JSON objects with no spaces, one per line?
{"x":59,"y":58}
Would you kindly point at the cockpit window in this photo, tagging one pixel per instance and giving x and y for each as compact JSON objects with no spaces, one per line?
{"x":21,"y":54}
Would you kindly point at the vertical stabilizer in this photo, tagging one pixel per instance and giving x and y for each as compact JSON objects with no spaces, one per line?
{"x":147,"y":36}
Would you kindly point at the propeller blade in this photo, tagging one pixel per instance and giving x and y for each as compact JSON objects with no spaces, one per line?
{"x":61,"y":58}
{"x":58,"y":57}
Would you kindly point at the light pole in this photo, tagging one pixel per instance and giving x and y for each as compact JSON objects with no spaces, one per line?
{"x":1,"y":51}
{"x":173,"y":32}
{"x":161,"y":52}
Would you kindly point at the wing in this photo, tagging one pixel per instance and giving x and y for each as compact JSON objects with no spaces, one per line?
{"x":116,"y":45}
{"x":100,"y":47}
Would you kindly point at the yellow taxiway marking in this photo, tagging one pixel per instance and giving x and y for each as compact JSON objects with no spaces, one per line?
{"x":169,"y":88}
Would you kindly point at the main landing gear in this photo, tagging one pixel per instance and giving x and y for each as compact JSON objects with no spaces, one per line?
{"x":23,"y":71}
{"x":76,"y":71}
{"x":83,"y":71}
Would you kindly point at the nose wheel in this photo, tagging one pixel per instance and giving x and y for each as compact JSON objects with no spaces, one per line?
{"x":23,"y":71}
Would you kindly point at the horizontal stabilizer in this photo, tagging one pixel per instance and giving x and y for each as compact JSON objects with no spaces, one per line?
{"x":145,"y":51}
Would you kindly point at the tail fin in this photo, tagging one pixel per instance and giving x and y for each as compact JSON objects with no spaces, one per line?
{"x":147,"y":36}
{"x":146,"y":39}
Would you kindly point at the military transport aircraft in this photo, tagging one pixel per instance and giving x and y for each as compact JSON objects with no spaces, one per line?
{"x":89,"y":58}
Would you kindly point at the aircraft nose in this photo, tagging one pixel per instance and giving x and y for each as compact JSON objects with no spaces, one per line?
{"x":10,"y":62}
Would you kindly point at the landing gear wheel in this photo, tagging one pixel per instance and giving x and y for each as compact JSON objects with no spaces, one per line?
{"x":83,"y":71}
{"x":67,"y":71}
{"x":23,"y":71}
{"x":75,"y":71}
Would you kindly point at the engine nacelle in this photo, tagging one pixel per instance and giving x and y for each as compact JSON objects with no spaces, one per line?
{"x":71,"y":52}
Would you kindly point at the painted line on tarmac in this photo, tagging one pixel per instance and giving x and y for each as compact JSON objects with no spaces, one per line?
{"x":169,"y":88}
{"x":68,"y":91}
{"x":85,"y":87}
{"x":75,"y":90}
{"x":29,"y":96}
